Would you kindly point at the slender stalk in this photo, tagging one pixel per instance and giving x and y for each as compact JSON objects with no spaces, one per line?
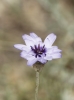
{"x":37,"y":85}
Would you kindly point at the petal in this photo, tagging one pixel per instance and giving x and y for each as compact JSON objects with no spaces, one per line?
{"x":57,"y":50}
{"x":33,"y":35}
{"x":43,"y":61}
{"x":54,"y":49}
{"x":23,"y":54}
{"x":36,"y":38}
{"x":49,"y":40}
{"x":30,"y":40}
{"x":27,"y":55}
{"x":27,"y":37}
{"x":48,"y":58}
{"x":21,"y":47}
{"x":32,"y":61}
{"x":29,"y":43}
{"x":56,"y":55}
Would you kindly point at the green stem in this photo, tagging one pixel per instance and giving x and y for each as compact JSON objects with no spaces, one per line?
{"x":37,"y":85}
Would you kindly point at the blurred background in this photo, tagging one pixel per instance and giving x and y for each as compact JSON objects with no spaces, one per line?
{"x":17,"y":80}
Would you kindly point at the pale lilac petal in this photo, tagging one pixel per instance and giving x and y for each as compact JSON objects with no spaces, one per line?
{"x":57,"y":50}
{"x":36,"y":38}
{"x":27,"y":55}
{"x":23,"y":54}
{"x":56,"y":55}
{"x":29,"y":43}
{"x":32,"y":61}
{"x":54,"y":49}
{"x":33,"y":35}
{"x":42,"y":60}
{"x":49,"y":40}
{"x":28,"y":40}
{"x":48,"y":57}
{"x":27,"y":37}
{"x":53,"y":53}
{"x":20,"y":47}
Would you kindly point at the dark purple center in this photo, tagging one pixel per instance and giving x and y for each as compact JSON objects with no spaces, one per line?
{"x":38,"y":50}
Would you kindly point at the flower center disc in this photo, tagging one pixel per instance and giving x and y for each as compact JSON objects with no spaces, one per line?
{"x":38,"y":50}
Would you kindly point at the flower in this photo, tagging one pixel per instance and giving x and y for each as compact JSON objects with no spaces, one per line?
{"x":37,"y":51}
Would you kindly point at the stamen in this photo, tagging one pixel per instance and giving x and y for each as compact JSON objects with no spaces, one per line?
{"x":35,"y":47}
{"x":38,"y":46}
{"x":38,"y":50}
{"x":36,"y":55}
{"x":43,"y":46}
{"x":39,"y":55}
{"x":31,"y":47}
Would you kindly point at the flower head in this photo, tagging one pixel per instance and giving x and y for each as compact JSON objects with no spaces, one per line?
{"x":37,"y":51}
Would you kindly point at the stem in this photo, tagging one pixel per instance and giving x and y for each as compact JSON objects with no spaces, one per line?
{"x":37,"y":85}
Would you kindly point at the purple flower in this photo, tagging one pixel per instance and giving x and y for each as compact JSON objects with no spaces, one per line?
{"x":37,"y":51}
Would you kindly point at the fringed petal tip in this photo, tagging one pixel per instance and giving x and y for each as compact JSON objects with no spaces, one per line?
{"x":49,"y":40}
